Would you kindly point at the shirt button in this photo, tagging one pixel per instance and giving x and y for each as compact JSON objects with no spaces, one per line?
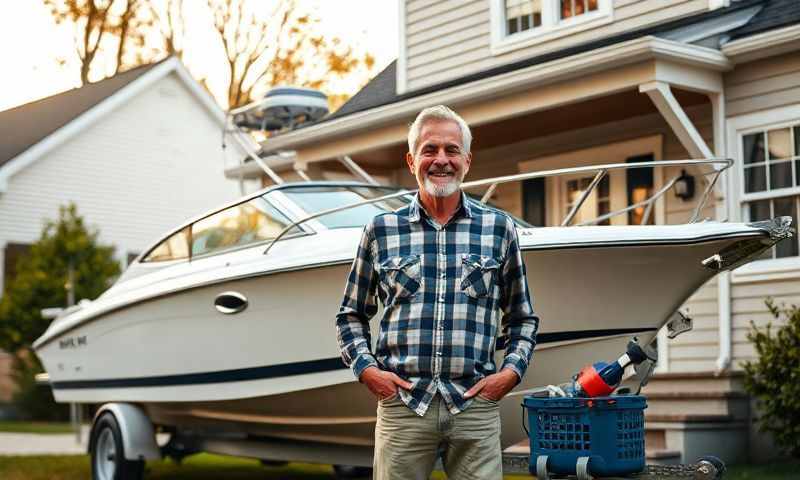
{"x":443,"y":275}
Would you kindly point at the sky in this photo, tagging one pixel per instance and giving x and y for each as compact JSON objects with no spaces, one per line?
{"x":33,"y":49}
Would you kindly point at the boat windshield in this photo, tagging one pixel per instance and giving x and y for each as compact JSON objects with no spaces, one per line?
{"x":314,"y":199}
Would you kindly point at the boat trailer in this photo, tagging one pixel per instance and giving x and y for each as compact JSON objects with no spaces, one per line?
{"x":707,"y":468}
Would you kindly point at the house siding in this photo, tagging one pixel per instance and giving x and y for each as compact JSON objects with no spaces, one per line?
{"x":759,"y":86}
{"x":148,"y":165}
{"x":749,"y":306}
{"x":448,"y":39}
{"x":764,"y":84}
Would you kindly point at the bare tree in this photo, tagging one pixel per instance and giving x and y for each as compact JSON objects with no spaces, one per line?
{"x":281,"y":47}
{"x":169,"y":18}
{"x":262,"y":47}
{"x":96,"y":26}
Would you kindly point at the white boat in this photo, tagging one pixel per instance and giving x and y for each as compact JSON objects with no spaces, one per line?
{"x":215,"y":338}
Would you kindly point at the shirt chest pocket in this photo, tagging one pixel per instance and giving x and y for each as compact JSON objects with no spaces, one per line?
{"x":400,"y":277}
{"x":479,"y":275}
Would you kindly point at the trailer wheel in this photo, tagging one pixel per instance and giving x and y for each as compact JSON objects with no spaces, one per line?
{"x":351,"y":471}
{"x":108,"y":454}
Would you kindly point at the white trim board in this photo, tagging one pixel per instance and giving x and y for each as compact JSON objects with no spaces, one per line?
{"x":105,"y":107}
{"x":401,"y":76}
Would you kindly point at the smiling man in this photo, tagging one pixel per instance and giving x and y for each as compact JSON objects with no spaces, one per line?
{"x":450,"y":275}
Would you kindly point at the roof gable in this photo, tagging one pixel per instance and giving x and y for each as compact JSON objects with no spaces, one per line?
{"x":36,"y":128}
{"x":26,"y":125}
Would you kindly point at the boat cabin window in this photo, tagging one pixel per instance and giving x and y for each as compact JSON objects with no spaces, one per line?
{"x":316,"y":199}
{"x":244,"y":224}
{"x":175,"y":247}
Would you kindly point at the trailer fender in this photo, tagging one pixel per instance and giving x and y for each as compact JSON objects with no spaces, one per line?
{"x":138,"y":436}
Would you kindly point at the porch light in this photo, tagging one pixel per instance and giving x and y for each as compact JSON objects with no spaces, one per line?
{"x":684,"y":186}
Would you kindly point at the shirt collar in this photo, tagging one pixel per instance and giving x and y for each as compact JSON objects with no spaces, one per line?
{"x":416,"y":207}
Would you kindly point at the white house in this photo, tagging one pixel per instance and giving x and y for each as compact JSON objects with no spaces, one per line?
{"x":548,"y":84}
{"x":137,"y":153}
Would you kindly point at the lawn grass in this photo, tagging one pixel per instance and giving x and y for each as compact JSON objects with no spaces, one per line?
{"x":775,"y":471}
{"x":208,"y":467}
{"x":9,"y":426}
{"x":197,"y":467}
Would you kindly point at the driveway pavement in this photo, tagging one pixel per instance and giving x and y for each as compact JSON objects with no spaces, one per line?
{"x":43,"y":444}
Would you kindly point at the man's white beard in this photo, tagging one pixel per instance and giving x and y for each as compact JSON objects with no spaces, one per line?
{"x":442,"y":190}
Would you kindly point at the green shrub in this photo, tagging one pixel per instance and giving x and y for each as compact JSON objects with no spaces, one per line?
{"x":774,"y":377}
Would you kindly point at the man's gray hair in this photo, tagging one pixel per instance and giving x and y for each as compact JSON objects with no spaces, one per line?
{"x":439,"y":112}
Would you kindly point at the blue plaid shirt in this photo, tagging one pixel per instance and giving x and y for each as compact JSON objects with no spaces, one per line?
{"x":444,"y":289}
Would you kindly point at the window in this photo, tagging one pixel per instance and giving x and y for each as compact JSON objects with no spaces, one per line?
{"x":574,"y":8}
{"x":244,"y":224}
{"x":522,"y":15}
{"x":771,"y":180}
{"x":176,"y":247}
{"x":515,"y":21}
{"x":597,"y":204}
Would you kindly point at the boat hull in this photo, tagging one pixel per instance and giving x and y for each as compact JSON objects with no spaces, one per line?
{"x":274,"y":370}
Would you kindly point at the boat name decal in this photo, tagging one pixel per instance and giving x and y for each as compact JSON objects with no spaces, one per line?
{"x":72,"y":342}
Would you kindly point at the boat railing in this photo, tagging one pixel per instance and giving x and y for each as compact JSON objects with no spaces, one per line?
{"x":718,"y":165}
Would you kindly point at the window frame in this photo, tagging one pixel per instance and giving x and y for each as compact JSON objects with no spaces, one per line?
{"x":552,"y":27}
{"x":593,"y":199}
{"x":769,"y":269}
{"x":766,"y":194}
{"x":746,"y":198}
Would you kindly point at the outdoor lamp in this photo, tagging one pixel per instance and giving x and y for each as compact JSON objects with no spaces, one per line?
{"x":684,"y":186}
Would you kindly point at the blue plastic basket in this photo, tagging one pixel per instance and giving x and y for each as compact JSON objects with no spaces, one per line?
{"x":607,"y":430}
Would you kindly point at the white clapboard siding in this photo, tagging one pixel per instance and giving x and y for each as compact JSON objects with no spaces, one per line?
{"x":763,"y":84}
{"x":452,"y":38}
{"x":140,"y":170}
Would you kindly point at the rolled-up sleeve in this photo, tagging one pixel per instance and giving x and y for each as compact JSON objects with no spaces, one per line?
{"x":519,"y":322}
{"x":358,"y":307}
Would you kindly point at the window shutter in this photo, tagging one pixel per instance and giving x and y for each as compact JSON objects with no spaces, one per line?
{"x":639,"y":183}
{"x":533,"y":201}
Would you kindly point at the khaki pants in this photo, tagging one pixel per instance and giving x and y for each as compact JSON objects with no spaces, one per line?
{"x":407,"y":445}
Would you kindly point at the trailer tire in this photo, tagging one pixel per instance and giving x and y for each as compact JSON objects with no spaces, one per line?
{"x":108,"y":454}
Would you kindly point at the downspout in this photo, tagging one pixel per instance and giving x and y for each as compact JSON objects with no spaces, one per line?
{"x":723,"y":211}
{"x":724,"y":300}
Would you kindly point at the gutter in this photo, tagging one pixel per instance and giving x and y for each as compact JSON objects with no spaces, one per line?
{"x":762,"y":45}
{"x":606,"y":58}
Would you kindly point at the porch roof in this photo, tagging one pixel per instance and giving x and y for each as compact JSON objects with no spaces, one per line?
{"x":768,"y":14}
